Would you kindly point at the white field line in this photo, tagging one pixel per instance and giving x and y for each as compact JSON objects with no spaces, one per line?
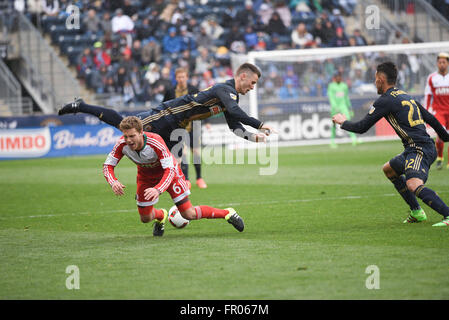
{"x":351,"y":197}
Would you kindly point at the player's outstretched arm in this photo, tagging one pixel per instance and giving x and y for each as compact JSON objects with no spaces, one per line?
{"x":118,"y":188}
{"x":434,"y":123}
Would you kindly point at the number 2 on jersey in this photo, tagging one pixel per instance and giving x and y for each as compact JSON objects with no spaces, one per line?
{"x":412,"y":104}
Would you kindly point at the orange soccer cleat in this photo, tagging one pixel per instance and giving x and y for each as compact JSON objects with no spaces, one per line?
{"x":201,"y":183}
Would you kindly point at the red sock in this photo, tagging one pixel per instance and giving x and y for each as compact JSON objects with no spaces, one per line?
{"x":152,"y":212}
{"x":210,"y":212}
{"x":440,"y":147}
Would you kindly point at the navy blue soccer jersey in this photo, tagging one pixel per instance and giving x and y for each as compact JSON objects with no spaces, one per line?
{"x":220,"y":98}
{"x":407,"y":117}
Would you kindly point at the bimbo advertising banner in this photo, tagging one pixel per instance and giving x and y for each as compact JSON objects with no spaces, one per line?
{"x":57,"y":141}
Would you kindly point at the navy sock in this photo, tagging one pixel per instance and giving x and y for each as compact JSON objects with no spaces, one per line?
{"x":185,"y":170}
{"x":107,"y":115}
{"x":429,"y":197}
{"x":406,"y":194}
{"x":198,"y":170}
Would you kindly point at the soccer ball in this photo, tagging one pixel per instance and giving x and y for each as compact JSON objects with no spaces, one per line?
{"x":176,"y":219}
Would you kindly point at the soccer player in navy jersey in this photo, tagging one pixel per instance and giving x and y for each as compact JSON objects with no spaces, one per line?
{"x":409,"y":170}
{"x":179,"y":112}
{"x":157,"y":172}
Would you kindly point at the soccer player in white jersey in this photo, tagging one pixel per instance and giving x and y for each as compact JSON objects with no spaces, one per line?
{"x":157,"y":172}
{"x":437,"y":99}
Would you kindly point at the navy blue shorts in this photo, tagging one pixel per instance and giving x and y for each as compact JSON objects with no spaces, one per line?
{"x":415,"y":161}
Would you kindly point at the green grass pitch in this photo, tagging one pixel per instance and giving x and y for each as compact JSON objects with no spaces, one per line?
{"x":311,"y":232}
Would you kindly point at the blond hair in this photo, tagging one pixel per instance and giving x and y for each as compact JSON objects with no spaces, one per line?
{"x":131,"y":122}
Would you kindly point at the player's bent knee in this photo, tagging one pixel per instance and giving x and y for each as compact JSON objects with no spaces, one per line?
{"x":388,"y":170}
{"x":413,"y":184}
{"x":189,"y":214}
{"x":145,"y":218}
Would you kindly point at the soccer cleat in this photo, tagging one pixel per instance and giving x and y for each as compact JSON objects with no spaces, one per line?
{"x":159,"y":226}
{"x":233,"y":218}
{"x":416,"y":216}
{"x":201,"y":183}
{"x":439,"y":164}
{"x":72,"y":107}
{"x":444,"y":223}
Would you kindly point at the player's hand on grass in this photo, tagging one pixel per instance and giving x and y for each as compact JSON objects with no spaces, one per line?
{"x":339,"y":118}
{"x":151,"y":194}
{"x":118,"y":188}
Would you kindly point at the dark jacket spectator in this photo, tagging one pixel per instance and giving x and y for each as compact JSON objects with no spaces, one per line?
{"x":275,"y":25}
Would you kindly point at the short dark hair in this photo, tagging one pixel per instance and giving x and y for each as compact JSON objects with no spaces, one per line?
{"x":389,"y":69}
{"x":248,"y":67}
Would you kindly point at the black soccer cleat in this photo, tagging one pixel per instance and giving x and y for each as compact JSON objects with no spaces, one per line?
{"x":159,"y":226}
{"x":233,"y":218}
{"x":72,"y":107}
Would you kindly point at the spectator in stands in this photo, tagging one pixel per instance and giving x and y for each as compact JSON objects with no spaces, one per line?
{"x":110,"y":86}
{"x":136,"y":52}
{"x":135,"y":78}
{"x":396,"y":38}
{"x":288,"y":91}
{"x":212,"y":28}
{"x":337,"y":20}
{"x":99,"y":78}
{"x":275,"y":25}
{"x":301,"y":38}
{"x":284,"y":12}
{"x":329,"y":31}
{"x":151,"y":51}
{"x":251,"y":39}
{"x":233,"y":35}
{"x":340,"y":39}
{"x":129,"y":10}
{"x":85,"y":64}
{"x":265,"y":12}
{"x":162,"y":85}
{"x":144,"y":30}
{"x":187,"y":61}
{"x":229,"y":16}
{"x":204,"y":61}
{"x":348,"y":6}
{"x":120,"y":78}
{"x":207,"y":80}
{"x":127,"y":61}
{"x":246,"y":16}
{"x":106,"y":23}
{"x":92,"y":22}
{"x":359,"y":38}
{"x":50,"y":7}
{"x":152,"y":74}
{"x":318,"y":33}
{"x":121,"y":22}
{"x":202,"y":39}
{"x":192,"y":26}
{"x":291,"y":75}
{"x":115,"y":52}
{"x":171,"y":43}
{"x":128,"y":93}
{"x":101,"y":57}
{"x":187,"y":40}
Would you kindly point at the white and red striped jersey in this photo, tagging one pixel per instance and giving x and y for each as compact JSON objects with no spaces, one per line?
{"x":437,"y":92}
{"x":154,"y":161}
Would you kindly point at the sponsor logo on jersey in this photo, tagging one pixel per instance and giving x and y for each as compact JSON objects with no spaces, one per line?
{"x":371,"y":110}
{"x":442,"y":91}
{"x":233,"y":96}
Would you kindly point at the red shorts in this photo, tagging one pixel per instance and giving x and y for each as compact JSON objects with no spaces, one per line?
{"x":178,"y":189}
{"x":443,"y":117}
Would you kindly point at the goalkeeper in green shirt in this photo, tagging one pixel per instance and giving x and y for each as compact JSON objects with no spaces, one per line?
{"x":337,"y":91}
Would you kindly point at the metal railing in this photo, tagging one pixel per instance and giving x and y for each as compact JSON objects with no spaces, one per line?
{"x":44,"y":70}
{"x":10,"y":90}
{"x":425,"y":23}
